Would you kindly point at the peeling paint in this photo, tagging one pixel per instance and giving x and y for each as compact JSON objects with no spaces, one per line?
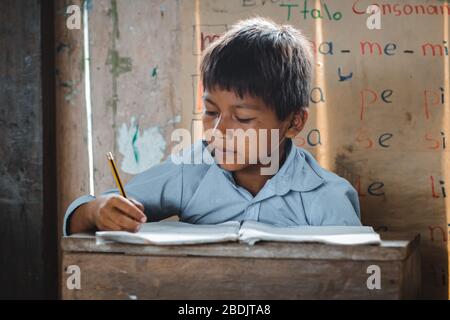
{"x":141,"y":149}
{"x":112,"y":12}
{"x":88,"y":4}
{"x":119,"y":65}
{"x":61,"y":46}
{"x":133,"y":142}
{"x":154,"y":72}
{"x":70,"y":88}
{"x":174,"y":120}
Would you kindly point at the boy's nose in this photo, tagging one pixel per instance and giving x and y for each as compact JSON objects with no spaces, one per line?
{"x":220,"y":125}
{"x":224,"y":127}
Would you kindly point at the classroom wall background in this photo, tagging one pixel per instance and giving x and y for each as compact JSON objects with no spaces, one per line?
{"x":379,"y":109}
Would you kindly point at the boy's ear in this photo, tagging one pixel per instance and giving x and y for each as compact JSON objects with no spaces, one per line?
{"x":297,"y":124}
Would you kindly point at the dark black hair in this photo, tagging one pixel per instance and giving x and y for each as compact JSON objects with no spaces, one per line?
{"x":263,"y":59}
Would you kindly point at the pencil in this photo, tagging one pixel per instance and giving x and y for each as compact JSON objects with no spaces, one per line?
{"x":115,"y":174}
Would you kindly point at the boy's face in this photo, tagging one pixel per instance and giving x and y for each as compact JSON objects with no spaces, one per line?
{"x":225,"y":113}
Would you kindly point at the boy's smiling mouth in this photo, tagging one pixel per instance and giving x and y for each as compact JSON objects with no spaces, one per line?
{"x":225,"y":154}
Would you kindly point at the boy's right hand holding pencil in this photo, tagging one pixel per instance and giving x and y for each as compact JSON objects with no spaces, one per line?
{"x":110,"y":212}
{"x":116,"y":213}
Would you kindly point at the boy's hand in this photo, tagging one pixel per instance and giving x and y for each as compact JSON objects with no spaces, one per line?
{"x":116,"y":213}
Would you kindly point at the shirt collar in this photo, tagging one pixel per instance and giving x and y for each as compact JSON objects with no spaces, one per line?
{"x":295,"y":173}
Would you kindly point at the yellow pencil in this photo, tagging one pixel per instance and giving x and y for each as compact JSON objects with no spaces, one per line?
{"x":115,"y":174}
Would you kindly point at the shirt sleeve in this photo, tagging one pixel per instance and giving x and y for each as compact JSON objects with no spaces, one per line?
{"x":336,"y":204}
{"x":159,"y":189}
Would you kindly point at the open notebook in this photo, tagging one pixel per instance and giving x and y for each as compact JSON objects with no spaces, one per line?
{"x":174,"y":232}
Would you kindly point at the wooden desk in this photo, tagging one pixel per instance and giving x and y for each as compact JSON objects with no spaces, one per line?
{"x":267,"y":270}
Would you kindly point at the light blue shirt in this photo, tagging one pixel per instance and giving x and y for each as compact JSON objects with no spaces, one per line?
{"x":300,"y":193}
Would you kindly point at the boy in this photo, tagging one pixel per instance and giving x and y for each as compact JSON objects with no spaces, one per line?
{"x":257,"y":76}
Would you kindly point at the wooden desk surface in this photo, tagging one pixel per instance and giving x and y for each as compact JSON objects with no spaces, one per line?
{"x":392,"y":248}
{"x":266,"y":270}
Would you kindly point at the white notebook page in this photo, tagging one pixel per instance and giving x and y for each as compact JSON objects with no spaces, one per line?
{"x":253,"y":231}
{"x":174,"y":232}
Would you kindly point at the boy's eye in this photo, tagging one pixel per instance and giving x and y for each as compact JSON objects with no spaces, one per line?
{"x":246,"y":120}
{"x":211,"y":113}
